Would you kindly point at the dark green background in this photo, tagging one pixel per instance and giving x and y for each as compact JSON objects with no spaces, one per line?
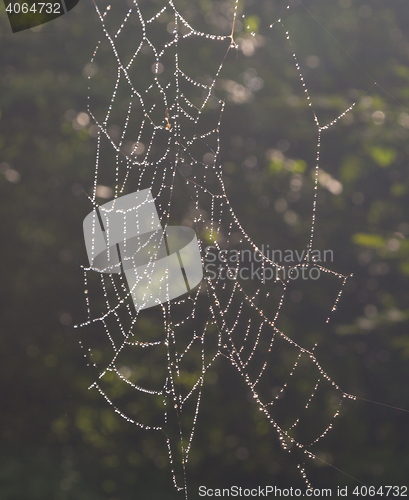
{"x":61,"y":441}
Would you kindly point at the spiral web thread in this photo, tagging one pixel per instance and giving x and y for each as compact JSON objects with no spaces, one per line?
{"x":243,"y":331}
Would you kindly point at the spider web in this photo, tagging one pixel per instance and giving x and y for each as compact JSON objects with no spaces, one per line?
{"x":165,"y":135}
